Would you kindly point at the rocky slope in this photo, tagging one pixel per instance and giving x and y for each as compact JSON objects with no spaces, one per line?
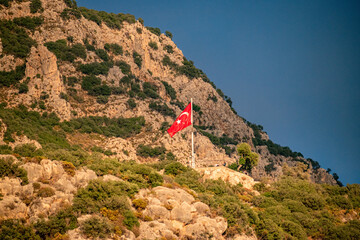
{"x":49,"y":88}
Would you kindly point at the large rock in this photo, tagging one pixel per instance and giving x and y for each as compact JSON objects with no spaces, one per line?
{"x":164,"y":194}
{"x":12,"y":207}
{"x":157,"y":212}
{"x":155,"y":230}
{"x":183,"y":213}
{"x":227,"y":175}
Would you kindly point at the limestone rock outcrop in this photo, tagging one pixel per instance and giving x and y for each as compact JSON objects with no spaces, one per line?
{"x":175,"y":214}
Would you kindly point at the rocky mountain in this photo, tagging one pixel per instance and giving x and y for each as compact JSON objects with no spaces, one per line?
{"x":76,"y":63}
{"x":86,"y":99}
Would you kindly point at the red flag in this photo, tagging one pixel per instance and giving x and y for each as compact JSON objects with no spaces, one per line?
{"x":182,"y":121}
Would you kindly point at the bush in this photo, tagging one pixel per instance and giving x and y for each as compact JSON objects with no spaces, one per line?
{"x":10,"y":169}
{"x":168,"y":49}
{"x":97,"y":227}
{"x":131,"y":103}
{"x":71,"y":3}
{"x":46,"y":192}
{"x":169,"y":34}
{"x":99,"y":90}
{"x":110,"y":19}
{"x":140,"y":203}
{"x":27,"y":150}
{"x":95,"y":68}
{"x":15,"y":40}
{"x":109,"y":127}
{"x":36,"y":6}
{"x":166,"y":61}
{"x":101,"y":53}
{"x":99,"y":194}
{"x":153,"y":45}
{"x":59,"y":223}
{"x":163,"y":109}
{"x":155,"y":31}
{"x":30,"y":23}
{"x":15,"y":229}
{"x":148,"y":151}
{"x":23,"y":88}
{"x":68,"y":12}
{"x":114,"y":48}
{"x":64,"y":52}
{"x":175,"y":169}
{"x":89,"y":82}
{"x":150,"y":90}
{"x":169,"y":90}
{"x":9,"y":78}
{"x":137,"y":59}
{"x":125,"y":68}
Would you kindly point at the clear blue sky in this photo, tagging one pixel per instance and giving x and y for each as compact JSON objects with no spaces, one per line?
{"x":291,"y":66}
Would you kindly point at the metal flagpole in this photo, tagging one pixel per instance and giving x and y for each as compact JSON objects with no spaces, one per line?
{"x":192,"y":138}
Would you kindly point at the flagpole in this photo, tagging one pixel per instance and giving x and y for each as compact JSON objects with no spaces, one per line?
{"x":192,"y":138}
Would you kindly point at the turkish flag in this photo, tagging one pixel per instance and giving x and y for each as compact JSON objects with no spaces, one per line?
{"x":182,"y":121}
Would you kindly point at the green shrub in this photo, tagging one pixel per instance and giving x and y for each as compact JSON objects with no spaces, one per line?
{"x":155,"y":31}
{"x":139,"y":30}
{"x":60,"y":222}
{"x":15,"y":40}
{"x":175,"y":168}
{"x":89,"y":82}
{"x":130,"y":220}
{"x":95,"y":68}
{"x":5,"y":3}
{"x":163,"y":109}
{"x":148,"y":151}
{"x":150,"y":90}
{"x":68,"y":12}
{"x":5,"y":149}
{"x":71,"y":3}
{"x":137,"y":59}
{"x":109,"y":127}
{"x":140,"y":203}
{"x":23,"y":88}
{"x":141,"y":175}
{"x":114,"y":48}
{"x":64,"y":52}
{"x":125,"y":68}
{"x":9,"y":78}
{"x":101,"y":53}
{"x":169,"y":90}
{"x":166,"y":61}
{"x":131,"y":103}
{"x":169,"y":34}
{"x":99,"y":194}
{"x":168,"y":49}
{"x":46,"y":192}
{"x":95,"y":227}
{"x":110,"y":19}
{"x":99,"y":90}
{"x":36,"y":6}
{"x":16,"y":229}
{"x":30,"y":23}
{"x":27,"y":150}
{"x":153,"y":45}
{"x":10,"y":169}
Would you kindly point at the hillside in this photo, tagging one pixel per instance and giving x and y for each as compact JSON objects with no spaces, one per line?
{"x":86,"y":98}
{"x":79,"y":63}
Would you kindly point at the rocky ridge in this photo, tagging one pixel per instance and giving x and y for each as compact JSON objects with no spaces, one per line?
{"x":45,"y":72}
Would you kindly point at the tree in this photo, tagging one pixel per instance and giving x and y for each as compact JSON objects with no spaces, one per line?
{"x":248,"y":159}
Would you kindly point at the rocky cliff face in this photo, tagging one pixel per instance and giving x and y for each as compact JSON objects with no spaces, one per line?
{"x":47,"y":79}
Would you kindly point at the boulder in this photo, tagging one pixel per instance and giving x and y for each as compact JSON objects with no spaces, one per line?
{"x":182,"y":213}
{"x":156,"y":212}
